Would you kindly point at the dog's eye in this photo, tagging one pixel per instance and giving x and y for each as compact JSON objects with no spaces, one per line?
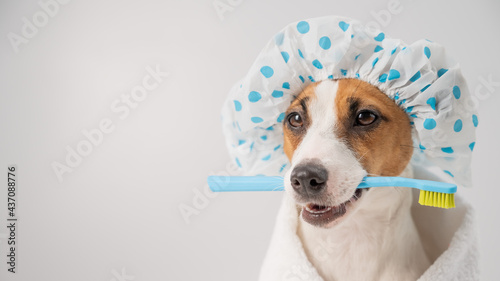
{"x":295,"y":120}
{"x":365,"y":118}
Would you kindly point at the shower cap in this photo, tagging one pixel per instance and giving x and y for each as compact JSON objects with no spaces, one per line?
{"x":421,"y":78}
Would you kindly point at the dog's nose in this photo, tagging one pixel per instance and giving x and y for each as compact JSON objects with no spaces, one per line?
{"x":309,"y":179}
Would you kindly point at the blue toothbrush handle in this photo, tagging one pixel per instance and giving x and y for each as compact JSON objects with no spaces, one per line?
{"x":238,"y":183}
{"x":434,"y":186}
{"x":265,"y":183}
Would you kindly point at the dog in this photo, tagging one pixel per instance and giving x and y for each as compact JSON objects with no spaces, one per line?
{"x":335,"y":133}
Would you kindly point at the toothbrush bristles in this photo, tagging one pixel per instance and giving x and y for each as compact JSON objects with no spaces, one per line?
{"x":437,"y":199}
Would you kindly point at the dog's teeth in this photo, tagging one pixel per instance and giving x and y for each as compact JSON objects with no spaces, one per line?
{"x":315,"y":209}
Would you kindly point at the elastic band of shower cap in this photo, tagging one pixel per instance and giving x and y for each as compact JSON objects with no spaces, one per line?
{"x":421,"y":78}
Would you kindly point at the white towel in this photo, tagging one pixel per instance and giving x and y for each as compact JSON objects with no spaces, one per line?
{"x":448,"y":236}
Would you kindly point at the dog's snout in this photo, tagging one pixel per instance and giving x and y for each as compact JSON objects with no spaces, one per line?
{"x":309,"y":179}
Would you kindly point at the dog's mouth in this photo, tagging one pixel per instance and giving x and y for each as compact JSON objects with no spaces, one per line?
{"x":321,"y":216}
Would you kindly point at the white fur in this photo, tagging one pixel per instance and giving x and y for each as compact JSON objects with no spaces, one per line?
{"x":377,"y":238}
{"x":345,"y":171}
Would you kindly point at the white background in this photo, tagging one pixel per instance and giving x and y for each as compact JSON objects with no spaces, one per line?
{"x":119,"y":208}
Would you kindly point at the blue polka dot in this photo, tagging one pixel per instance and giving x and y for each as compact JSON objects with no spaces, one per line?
{"x":264,"y":137}
{"x":471,"y":146}
{"x":456,"y":92}
{"x":270,"y":128}
{"x":240,"y":142}
{"x":311,"y":78}
{"x":330,"y":77}
{"x":393,"y":74}
{"x":380,"y":37}
{"x":394,"y":50}
{"x":254,"y":96}
{"x":317,"y":64}
{"x":237,"y":105}
{"x":415,"y":77}
{"x":447,"y":150}
{"x":251,"y":146}
{"x":421,"y":147}
{"x":378,"y":49}
{"x":256,"y":120}
{"x":449,"y":173}
{"x":303,"y":27}
{"x":357,"y":56}
{"x":344,"y":72}
{"x":286,"y":85}
{"x":432,"y":102}
{"x":302,"y":78}
{"x":277,"y":147}
{"x":281,"y":117}
{"x":238,"y":162}
{"x":374,"y":62}
{"x":357,"y":75}
{"x":300,"y":54}
{"x":409,"y":109}
{"x":458,"y":126}
{"x":343,"y":25}
{"x":285,"y":56}
{"x":267,"y":157}
{"x":325,"y":43}
{"x":267,"y":71}
{"x":474,"y":120}
{"x":282,"y":168}
{"x":429,"y":124}
{"x":427,"y":52}
{"x":382,"y":78}
{"x":278,"y":39}
{"x":277,"y":94}
{"x":425,"y":88}
{"x":442,"y":71}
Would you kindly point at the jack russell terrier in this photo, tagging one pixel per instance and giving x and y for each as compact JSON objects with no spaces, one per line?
{"x":335,"y":133}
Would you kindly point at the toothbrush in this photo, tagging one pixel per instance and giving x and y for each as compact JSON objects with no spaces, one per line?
{"x":432,"y":193}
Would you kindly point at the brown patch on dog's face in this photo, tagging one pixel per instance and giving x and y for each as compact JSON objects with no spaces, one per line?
{"x":384,"y":145}
{"x":293,"y":135}
{"x":381,"y":138}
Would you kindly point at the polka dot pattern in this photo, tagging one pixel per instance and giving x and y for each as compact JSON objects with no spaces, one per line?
{"x":317,"y":64}
{"x":427,"y":52}
{"x":285,"y":56}
{"x":380,"y":37}
{"x":303,"y":27}
{"x":325,"y":43}
{"x":343,"y":25}
{"x":254,"y":96}
{"x":277,"y":94}
{"x":432,"y":102}
{"x":430,"y":124}
{"x":474,"y":120}
{"x":456,"y":92}
{"x":458,"y":126}
{"x":237,"y":105}
{"x":267,"y":71}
